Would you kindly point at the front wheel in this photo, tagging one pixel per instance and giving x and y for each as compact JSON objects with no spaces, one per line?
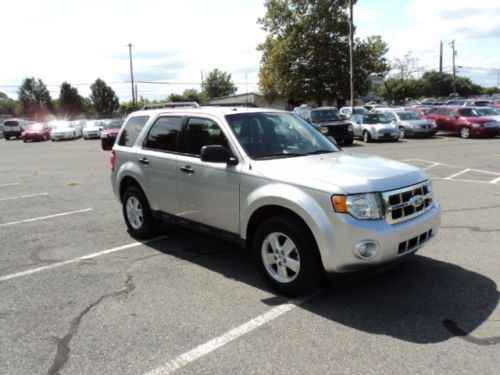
{"x":402,"y":132}
{"x":464,"y":132}
{"x":366,"y":137}
{"x":287,"y":256}
{"x":137,"y":213}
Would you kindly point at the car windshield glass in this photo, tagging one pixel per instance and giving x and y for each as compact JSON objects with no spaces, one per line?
{"x":114,"y":125}
{"x":277,"y":135}
{"x":486,"y":111}
{"x":409,"y":115}
{"x":35,"y":127}
{"x":376,"y":118}
{"x":469,"y":112}
{"x":360,"y":110}
{"x":325,"y":115}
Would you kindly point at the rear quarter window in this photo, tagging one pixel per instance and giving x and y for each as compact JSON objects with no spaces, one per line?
{"x":131,"y":130}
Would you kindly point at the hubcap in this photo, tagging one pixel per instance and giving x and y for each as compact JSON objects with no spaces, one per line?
{"x":365,"y":136}
{"x":465,"y":132}
{"x":401,"y":132}
{"x":280,"y":257}
{"x":134,"y":212}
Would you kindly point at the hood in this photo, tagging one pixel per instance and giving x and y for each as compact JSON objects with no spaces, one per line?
{"x":62,"y":130}
{"x":493,"y":117}
{"x":111,"y":131}
{"x":418,"y":122}
{"x":478,"y":120}
{"x":341,"y":172}
{"x":331,"y":123}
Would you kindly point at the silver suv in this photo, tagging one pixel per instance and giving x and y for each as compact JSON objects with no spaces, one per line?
{"x":270,"y":181}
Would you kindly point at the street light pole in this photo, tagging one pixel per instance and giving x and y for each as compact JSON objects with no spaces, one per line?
{"x":351,"y":63}
{"x":131,"y":74}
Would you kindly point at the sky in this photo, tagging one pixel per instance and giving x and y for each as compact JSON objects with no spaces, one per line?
{"x":177,"y":41}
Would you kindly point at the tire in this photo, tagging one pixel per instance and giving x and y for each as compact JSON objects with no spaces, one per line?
{"x":137,"y":213}
{"x":464,"y":132}
{"x":7,"y":138}
{"x":275,"y":265}
{"x":367,"y":137}
{"x":24,"y":140}
{"x":402,"y":132}
{"x":348,"y":142}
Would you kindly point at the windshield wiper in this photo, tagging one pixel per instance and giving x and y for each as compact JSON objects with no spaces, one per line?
{"x":318,"y":152}
{"x":277,"y":155}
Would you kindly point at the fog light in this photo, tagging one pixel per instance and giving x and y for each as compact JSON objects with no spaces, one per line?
{"x":323,"y":129}
{"x":366,"y":250}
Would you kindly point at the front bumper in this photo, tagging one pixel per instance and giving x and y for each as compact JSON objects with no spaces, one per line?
{"x":33,"y":136}
{"x":59,"y":136}
{"x":395,"y":241}
{"x":93,"y":134}
{"x":484,"y":131}
{"x":385,"y":135}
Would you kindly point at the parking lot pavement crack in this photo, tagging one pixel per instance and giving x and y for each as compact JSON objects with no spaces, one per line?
{"x":472,"y":209}
{"x":63,"y":344}
{"x":455,"y":330}
{"x":471,"y":228}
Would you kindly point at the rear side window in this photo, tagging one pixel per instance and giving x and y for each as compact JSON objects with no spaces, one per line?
{"x":164,"y":134}
{"x":131,"y":130}
{"x":201,"y":132}
{"x":11,"y":123}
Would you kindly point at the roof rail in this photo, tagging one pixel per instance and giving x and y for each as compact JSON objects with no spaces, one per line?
{"x":172,"y":105}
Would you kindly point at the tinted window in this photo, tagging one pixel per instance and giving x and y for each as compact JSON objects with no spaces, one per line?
{"x":201,"y":132}
{"x":164,"y":134}
{"x":132,"y":129}
{"x":325,"y":115}
{"x":442,"y":111}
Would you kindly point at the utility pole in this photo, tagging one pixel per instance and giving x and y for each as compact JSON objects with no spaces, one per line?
{"x":498,"y":79}
{"x":452,"y":44}
{"x":440,"y":56}
{"x":351,"y":68}
{"x":131,"y":74}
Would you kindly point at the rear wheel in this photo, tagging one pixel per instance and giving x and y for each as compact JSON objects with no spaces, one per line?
{"x":286,"y":255}
{"x":366,"y":137}
{"x":402,"y":132}
{"x":137,"y":213}
{"x":464,"y":132}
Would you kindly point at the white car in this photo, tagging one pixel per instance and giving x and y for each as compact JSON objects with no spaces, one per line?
{"x":346,"y":111}
{"x":93,"y":129}
{"x":62,"y":129}
{"x":374,"y":126}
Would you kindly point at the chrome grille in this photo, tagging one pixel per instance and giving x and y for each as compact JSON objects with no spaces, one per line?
{"x":407,"y":203}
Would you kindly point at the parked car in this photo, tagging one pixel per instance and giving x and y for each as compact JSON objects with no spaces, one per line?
{"x":61,"y":129}
{"x":359,"y":110}
{"x":374,"y":126}
{"x":470,"y":103}
{"x":92,"y":129}
{"x":328,"y":122}
{"x":410,"y":123}
{"x":269,"y":181}
{"x":37,"y":131}
{"x":13,"y":127}
{"x":464,"y":121}
{"x":493,"y":113}
{"x":109,"y":133}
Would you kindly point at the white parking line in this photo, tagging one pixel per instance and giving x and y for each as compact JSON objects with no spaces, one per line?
{"x":76,"y":260}
{"x":457,"y":174}
{"x":495,"y":180}
{"x":431,"y":166}
{"x":10,"y":184}
{"x":45,"y":217}
{"x":23,"y":196}
{"x":211,"y":345}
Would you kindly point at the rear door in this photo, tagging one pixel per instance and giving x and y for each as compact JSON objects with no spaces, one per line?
{"x":208,"y":193}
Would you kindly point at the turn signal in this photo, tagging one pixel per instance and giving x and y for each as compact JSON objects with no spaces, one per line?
{"x":339,"y":203}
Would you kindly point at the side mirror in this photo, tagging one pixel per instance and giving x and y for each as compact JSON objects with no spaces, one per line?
{"x":217,"y":154}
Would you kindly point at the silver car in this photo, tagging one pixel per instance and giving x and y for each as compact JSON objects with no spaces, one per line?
{"x":374,"y":126}
{"x":410,"y":123}
{"x":271,"y":182}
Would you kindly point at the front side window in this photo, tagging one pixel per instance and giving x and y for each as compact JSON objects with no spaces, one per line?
{"x":325,"y":115}
{"x":277,"y":135}
{"x":201,"y":132}
{"x":132,"y":130}
{"x":164,"y":134}
{"x":469,"y":112}
{"x":409,"y":115}
{"x":376,"y":118}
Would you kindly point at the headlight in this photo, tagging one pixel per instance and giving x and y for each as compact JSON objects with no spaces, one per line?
{"x":349,"y":127}
{"x":475,"y":125}
{"x":323,"y":129}
{"x":360,"y":206}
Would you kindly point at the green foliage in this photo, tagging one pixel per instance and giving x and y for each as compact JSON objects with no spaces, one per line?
{"x":7,"y":105}
{"x":34,"y":97}
{"x":490,"y":90}
{"x":189,"y":95}
{"x":306,"y":52}
{"x":441,"y":84}
{"x":70,"y":102}
{"x":397,"y":90}
{"x":104,"y":99}
{"x":217,"y":84}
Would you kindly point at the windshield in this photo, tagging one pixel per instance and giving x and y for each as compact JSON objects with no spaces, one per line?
{"x":325,"y":115}
{"x":376,"y":118}
{"x":114,"y":125}
{"x":275,"y":135}
{"x":409,"y":115}
{"x":360,"y":110}
{"x":35,"y":127}
{"x":469,"y":112}
{"x":487,"y":111}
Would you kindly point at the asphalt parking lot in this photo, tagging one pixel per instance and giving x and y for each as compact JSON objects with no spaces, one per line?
{"x":78,"y":295}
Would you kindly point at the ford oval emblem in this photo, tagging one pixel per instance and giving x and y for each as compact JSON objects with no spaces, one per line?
{"x":417,"y":201}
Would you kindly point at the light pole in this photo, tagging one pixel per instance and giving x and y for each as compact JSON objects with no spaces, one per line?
{"x":351,"y":63}
{"x":452,"y":45}
{"x":131,"y":74}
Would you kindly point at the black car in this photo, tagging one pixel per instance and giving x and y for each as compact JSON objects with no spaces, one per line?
{"x":328,"y":121}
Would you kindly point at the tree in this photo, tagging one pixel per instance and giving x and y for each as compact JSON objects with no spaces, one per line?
{"x":405,"y":67}
{"x":34,"y":98}
{"x":189,"y":95}
{"x":7,"y":105}
{"x":104,"y":98}
{"x":397,"y":90}
{"x":218,"y":83}
{"x":306,"y":52}
{"x":70,"y":102}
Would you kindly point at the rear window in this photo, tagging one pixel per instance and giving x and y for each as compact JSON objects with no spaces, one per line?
{"x":131,"y":130}
{"x":11,"y":123}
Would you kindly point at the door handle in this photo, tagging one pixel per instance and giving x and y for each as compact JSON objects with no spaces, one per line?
{"x":187,"y":169}
{"x":144,"y":161}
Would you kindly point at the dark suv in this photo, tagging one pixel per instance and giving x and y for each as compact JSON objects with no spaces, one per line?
{"x":328,"y":121}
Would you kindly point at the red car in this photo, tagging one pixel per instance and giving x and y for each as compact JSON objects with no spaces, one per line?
{"x":109,"y":134}
{"x":36,"y":132}
{"x":422,"y":111}
{"x":463,"y":120}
